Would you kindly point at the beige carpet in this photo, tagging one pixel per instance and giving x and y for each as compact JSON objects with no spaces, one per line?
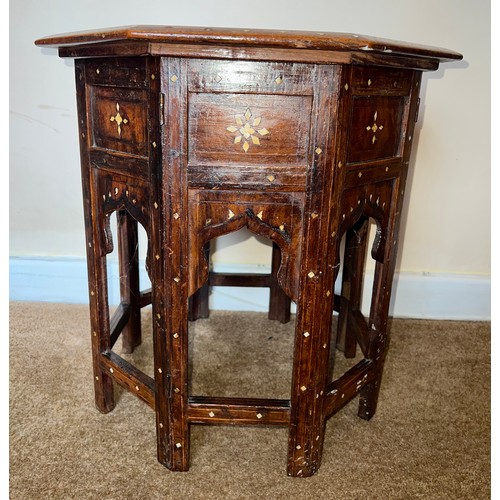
{"x":430,"y":438}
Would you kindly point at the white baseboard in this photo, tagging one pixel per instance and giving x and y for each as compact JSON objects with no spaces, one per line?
{"x":430,"y":296}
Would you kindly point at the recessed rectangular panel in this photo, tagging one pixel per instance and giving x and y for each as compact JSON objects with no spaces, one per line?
{"x":118,"y":119}
{"x":375,"y":128}
{"x":248,"y":129}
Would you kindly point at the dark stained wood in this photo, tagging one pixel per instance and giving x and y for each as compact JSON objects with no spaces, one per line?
{"x":339,"y":42}
{"x":194,"y":133}
{"x":279,"y":302}
{"x":346,"y":387}
{"x":352,"y":287}
{"x":130,"y":295}
{"x":198,"y":302}
{"x":129,"y":377}
{"x":238,"y":411}
{"x":118,"y":322}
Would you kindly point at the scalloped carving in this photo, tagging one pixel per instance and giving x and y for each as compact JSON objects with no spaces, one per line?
{"x":276,"y":216}
{"x":122,"y":193}
{"x":373,"y":201}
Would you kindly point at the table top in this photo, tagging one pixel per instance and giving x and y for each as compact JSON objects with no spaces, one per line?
{"x":311,"y":40}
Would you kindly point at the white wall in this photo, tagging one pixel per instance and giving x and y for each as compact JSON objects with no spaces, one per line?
{"x":447,"y":226}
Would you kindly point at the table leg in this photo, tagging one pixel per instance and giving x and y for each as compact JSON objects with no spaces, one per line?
{"x":198,"y":302}
{"x":279,"y":302}
{"x":378,"y":340}
{"x":128,"y":253}
{"x":170,"y":276}
{"x":352,"y":285}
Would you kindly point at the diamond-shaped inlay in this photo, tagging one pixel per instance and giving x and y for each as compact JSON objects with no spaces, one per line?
{"x":311,"y":274}
{"x":211,"y":414}
{"x":174,"y":78}
{"x":118,"y":119}
{"x":374,"y":128}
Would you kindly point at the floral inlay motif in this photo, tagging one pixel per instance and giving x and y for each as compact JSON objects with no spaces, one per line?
{"x":118,"y":119}
{"x":374,"y":128}
{"x":246,"y":130}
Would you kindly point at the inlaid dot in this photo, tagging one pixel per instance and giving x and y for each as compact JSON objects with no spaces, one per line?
{"x":176,"y":216}
{"x":97,"y":378}
{"x":211,"y":414}
{"x":136,"y":387}
{"x":161,"y":425}
{"x":154,"y":144}
{"x":178,"y":445}
{"x":279,"y":80}
{"x":259,"y":415}
{"x":298,"y":447}
{"x":155,"y":204}
{"x":157,"y":257}
{"x":346,"y":86}
{"x":328,"y":293}
{"x":175,"y":335}
{"x":310,"y":274}
{"x":306,"y":334}
{"x":160,"y":370}
{"x":318,"y":151}
{"x":270,"y":178}
{"x":360,"y":175}
{"x":177,"y":390}
{"x":174,"y":78}
{"x":111,"y":370}
{"x":303,"y":388}
{"x":177,"y":279}
{"x":97,"y":70}
{"x":152,"y":77}
{"x":339,"y":164}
